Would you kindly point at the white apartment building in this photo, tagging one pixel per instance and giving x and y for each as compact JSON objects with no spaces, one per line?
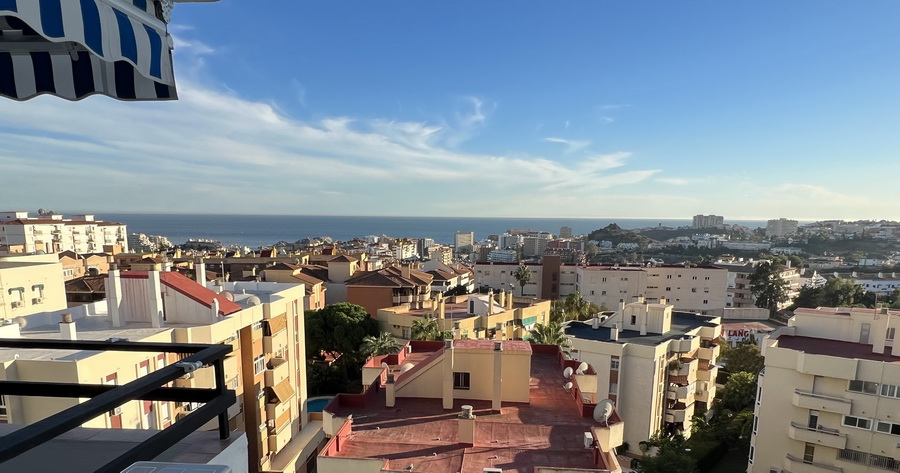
{"x":534,"y":244}
{"x":499,"y":276}
{"x":739,"y":293}
{"x":509,"y":242}
{"x":829,"y":396}
{"x":708,"y":221}
{"x":781,"y":227}
{"x":20,"y":233}
{"x":502,"y":256}
{"x":441,"y":253}
{"x":464,"y":240}
{"x":654,"y":363}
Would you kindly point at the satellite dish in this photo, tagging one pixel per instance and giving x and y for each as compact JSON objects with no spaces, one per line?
{"x":406,"y":367}
{"x":22,"y":321}
{"x":603,"y":410}
{"x":567,"y":373}
{"x":385,"y":366}
{"x":228,"y":295}
{"x":253,"y":301}
{"x":568,"y":386}
{"x":582,"y":368}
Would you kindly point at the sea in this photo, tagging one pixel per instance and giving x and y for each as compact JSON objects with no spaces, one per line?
{"x":256,"y":231}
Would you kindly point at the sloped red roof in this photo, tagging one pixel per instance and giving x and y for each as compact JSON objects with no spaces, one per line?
{"x":189,"y":288}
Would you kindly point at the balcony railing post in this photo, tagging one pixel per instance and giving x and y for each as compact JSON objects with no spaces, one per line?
{"x":219,"y":367}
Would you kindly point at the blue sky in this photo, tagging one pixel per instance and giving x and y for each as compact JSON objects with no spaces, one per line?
{"x":652,"y":109}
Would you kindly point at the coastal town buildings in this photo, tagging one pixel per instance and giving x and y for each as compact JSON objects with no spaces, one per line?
{"x":391,"y":286}
{"x":463,"y":241}
{"x":75,"y":265}
{"x":263,"y":322}
{"x":829,"y":396}
{"x":473,"y":405}
{"x":52,"y":233}
{"x":655,"y":363}
{"x":739,"y":294}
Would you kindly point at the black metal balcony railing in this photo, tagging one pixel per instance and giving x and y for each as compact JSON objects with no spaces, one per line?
{"x":104,"y":398}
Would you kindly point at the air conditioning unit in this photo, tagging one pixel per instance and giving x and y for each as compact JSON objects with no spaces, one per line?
{"x":37,"y":300}
{"x":17,"y":304}
{"x":116,"y":411}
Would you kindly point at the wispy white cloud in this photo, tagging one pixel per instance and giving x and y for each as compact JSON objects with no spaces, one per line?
{"x":675,"y":181}
{"x":571,"y":145}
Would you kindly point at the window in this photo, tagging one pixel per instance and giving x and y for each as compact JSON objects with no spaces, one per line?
{"x":858,"y":422}
{"x":758,"y":395}
{"x":68,"y":272}
{"x":604,"y":280}
{"x":461,"y":380}
{"x":633,"y":320}
{"x":859,"y":386}
{"x":890,"y":390}
{"x":164,"y":411}
{"x":694,"y":278}
{"x":808,"y":453}
{"x":693,"y":289}
{"x":755,"y":425}
{"x":602,"y":293}
{"x":668,"y":276}
{"x":890,"y":333}
{"x":613,"y":389}
{"x":592,"y":292}
{"x":614,"y":364}
{"x":888,"y":428}
{"x":4,"y":412}
{"x":752,"y":451}
{"x":706,"y":278}
{"x":257,"y":325}
{"x":668,"y":289}
{"x":259,"y":364}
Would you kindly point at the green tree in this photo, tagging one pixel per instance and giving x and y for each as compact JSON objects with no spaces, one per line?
{"x":671,"y":456}
{"x":840,"y":292}
{"x":553,"y":333}
{"x":339,"y":330}
{"x":744,"y":357}
{"x":428,"y":328}
{"x":523,"y":275}
{"x":458,"y":290}
{"x":768,"y":287}
{"x":383,"y":344}
{"x":810,"y":297}
{"x":740,"y":391}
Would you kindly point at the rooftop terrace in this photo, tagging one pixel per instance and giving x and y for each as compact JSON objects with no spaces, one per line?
{"x":682,"y":323}
{"x":548,"y":431}
{"x":823,"y":346}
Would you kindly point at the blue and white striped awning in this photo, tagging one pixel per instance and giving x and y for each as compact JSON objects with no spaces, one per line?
{"x":76,"y":48}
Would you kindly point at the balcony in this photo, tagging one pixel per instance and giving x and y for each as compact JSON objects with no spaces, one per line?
{"x":277,"y":371}
{"x":206,"y":377}
{"x":710,"y":352}
{"x":680,"y":412}
{"x":279,"y":440}
{"x":708,"y":374}
{"x":820,"y":436}
{"x":274,"y":343}
{"x":705,"y":395}
{"x":687,"y":368}
{"x":807,"y":400}
{"x":797,"y":465}
{"x":680,"y":392}
{"x":37,"y":438}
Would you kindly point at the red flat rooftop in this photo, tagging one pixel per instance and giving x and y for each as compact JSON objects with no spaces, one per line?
{"x":823,"y":346}
{"x":546,"y":432}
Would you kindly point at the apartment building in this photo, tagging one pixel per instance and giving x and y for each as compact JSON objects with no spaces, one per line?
{"x":473,"y":405}
{"x":708,"y":221}
{"x":75,"y":265}
{"x":391,"y":286}
{"x":441,"y":253}
{"x":829,"y":396}
{"x":463,"y":240}
{"x":701,"y":289}
{"x":20,"y":233}
{"x":30,"y":284}
{"x":781,"y":227}
{"x":499,"y":276}
{"x":495,"y":316}
{"x":294,"y":274}
{"x":262,"y":321}
{"x":739,"y":293}
{"x":655,"y":363}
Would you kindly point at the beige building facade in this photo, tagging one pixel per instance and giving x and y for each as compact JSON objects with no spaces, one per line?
{"x":30,"y":284}
{"x":20,"y":233}
{"x":657,"y":365}
{"x":829,"y":396}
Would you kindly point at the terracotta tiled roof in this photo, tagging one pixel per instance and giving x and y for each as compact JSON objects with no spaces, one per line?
{"x":316,"y":271}
{"x":390,"y":277}
{"x":343,"y":259}
{"x":189,"y":288}
{"x":87,"y":284}
{"x":439,"y":275}
{"x":307,"y":279}
{"x":283,"y":267}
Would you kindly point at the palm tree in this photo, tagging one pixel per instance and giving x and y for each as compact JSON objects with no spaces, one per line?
{"x":523,"y":275}
{"x":552,"y":333}
{"x":428,"y":328}
{"x":383,"y":344}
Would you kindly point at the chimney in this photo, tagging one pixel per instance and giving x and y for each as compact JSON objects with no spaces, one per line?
{"x":447,"y":391}
{"x":67,"y":327}
{"x":644,"y":319}
{"x":214,"y":308}
{"x":466,"y":422}
{"x":404,"y":270}
{"x":441,"y":308}
{"x":389,"y":393}
{"x":614,"y":333}
{"x":218,"y":286}
{"x":502,"y":298}
{"x":662,"y":300}
{"x":114,"y":296}
{"x":200,"y":271}
{"x":497,"y":397}
{"x":622,"y":306}
{"x":154,"y":301}
{"x":490,"y":302}
{"x":595,"y":322}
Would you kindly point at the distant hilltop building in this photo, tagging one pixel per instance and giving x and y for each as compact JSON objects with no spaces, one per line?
{"x":708,"y":221}
{"x":781,"y":227}
{"x":51,"y":233}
